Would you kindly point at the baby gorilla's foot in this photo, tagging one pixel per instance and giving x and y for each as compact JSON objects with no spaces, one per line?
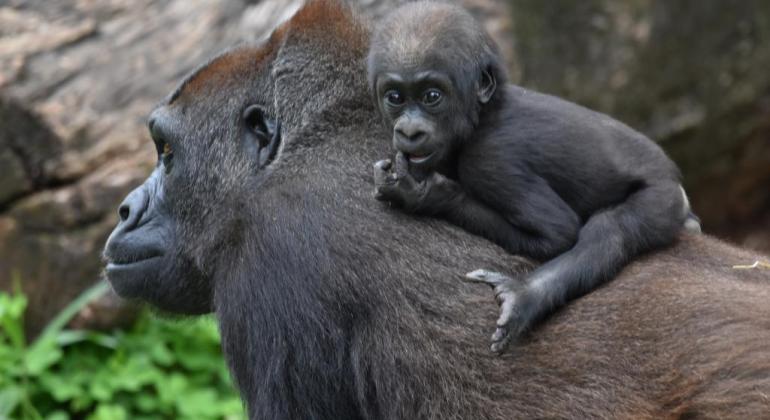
{"x":512,"y":298}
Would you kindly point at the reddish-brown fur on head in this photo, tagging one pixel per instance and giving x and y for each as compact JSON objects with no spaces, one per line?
{"x":319,"y":19}
{"x":329,"y":22}
{"x":227,"y":69}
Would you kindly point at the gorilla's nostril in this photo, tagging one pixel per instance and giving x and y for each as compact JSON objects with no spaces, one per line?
{"x":124,"y":212}
{"x":416,"y":137}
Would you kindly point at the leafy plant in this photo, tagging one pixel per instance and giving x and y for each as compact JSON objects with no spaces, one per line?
{"x":157,"y":369}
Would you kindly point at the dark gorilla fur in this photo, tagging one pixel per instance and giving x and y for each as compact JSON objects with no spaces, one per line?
{"x":332,"y":306}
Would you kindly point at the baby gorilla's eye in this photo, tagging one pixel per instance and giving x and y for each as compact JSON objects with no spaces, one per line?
{"x":432,"y":97}
{"x":393,"y":97}
{"x":166,"y":156}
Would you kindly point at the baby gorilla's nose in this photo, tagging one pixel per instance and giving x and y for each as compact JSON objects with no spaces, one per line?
{"x":411,"y":133}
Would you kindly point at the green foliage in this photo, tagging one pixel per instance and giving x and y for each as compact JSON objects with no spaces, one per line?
{"x":159,"y":369}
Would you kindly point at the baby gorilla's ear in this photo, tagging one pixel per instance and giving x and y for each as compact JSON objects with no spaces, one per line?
{"x":487,"y":86}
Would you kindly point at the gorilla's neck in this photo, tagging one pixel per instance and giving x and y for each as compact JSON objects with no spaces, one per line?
{"x":280,"y":339}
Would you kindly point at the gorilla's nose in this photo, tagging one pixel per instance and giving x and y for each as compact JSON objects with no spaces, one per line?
{"x":132,"y":208}
{"x":412,"y":136}
{"x":411,"y":131}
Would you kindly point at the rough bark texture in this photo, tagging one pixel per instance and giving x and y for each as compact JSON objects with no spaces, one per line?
{"x":77,"y":79}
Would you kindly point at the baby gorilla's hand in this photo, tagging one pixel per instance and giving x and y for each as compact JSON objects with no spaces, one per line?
{"x":398,"y":186}
{"x":428,"y":196}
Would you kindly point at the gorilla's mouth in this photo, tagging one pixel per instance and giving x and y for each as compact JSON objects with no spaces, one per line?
{"x":418,"y":158}
{"x":128,"y":262}
{"x":124,"y":258}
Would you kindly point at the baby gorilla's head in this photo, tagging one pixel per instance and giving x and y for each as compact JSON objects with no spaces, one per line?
{"x":432,"y":68}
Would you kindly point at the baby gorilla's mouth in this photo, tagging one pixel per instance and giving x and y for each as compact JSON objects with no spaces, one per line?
{"x":418,"y":158}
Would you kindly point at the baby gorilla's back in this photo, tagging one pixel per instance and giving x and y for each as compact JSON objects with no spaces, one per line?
{"x":589,"y":159}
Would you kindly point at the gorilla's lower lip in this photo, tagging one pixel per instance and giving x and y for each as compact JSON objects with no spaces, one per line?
{"x":419,"y":158}
{"x":114,"y":265}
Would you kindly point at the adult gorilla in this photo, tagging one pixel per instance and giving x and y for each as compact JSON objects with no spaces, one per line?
{"x":332,"y":306}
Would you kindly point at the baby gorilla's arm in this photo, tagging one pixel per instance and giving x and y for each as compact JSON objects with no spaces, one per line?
{"x":543,"y":234}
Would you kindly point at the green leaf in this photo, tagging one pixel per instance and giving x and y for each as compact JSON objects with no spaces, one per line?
{"x":58,"y":415}
{"x":12,"y":318}
{"x":172,"y":388}
{"x":70,"y":337}
{"x":56,"y":325}
{"x":147,"y":402}
{"x":109,"y":412}
{"x":10,"y":363}
{"x":41,"y":356}
{"x":161,"y":354}
{"x":82,"y":402}
{"x":60,"y":388}
{"x":198,"y":404}
{"x":12,"y":305}
{"x":10,"y":398}
{"x":102,"y":386}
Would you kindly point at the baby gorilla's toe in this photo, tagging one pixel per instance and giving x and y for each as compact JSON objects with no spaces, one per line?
{"x":487,"y":277}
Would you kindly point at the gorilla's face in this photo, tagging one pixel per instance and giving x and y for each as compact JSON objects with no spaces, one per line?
{"x":143,"y":259}
{"x":214,"y":136}
{"x":429,"y":107}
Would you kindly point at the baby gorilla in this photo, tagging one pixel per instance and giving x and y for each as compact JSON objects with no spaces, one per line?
{"x":538,"y":175}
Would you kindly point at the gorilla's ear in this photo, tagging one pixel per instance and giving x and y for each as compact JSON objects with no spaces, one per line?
{"x":261,"y":134}
{"x":487,"y":86}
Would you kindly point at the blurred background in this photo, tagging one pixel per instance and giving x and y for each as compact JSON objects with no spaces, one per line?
{"x":78,"y":78}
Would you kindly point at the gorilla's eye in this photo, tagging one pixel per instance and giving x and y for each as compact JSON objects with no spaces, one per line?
{"x":166,"y":156}
{"x":432,"y":97}
{"x":393,"y":97}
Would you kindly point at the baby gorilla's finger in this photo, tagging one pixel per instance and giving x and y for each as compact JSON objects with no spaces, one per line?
{"x":502,"y":335}
{"x":498,"y":346}
{"x":402,"y":166}
{"x":388,"y":190}
{"x":508,"y":300}
{"x":384,"y":164}
{"x":380,"y":193}
{"x":498,"y":334}
{"x":383,"y":177}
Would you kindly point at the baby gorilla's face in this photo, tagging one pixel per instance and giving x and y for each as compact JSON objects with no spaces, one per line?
{"x":432,"y":68}
{"x":423,"y":110}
